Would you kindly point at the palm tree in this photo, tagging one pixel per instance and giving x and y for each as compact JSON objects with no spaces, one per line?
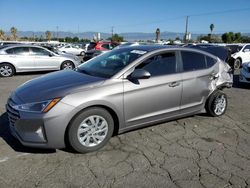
{"x":211,"y":28}
{"x":48,"y":35}
{"x":13,"y":31}
{"x":2,"y":37}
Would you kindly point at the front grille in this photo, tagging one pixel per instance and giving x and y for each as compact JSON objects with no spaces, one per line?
{"x":12,"y":113}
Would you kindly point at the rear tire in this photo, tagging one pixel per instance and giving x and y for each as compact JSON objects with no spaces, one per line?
{"x":6,"y":70}
{"x":67,"y":65}
{"x":237,"y":64}
{"x":216,"y":104}
{"x":90,"y":130}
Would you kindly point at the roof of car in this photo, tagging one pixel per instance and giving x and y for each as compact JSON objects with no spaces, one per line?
{"x":151,"y":47}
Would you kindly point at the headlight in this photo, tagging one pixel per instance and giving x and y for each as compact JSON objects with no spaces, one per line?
{"x":43,"y":106}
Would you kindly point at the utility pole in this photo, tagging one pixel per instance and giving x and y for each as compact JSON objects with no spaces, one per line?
{"x":57,"y":33}
{"x":186,"y":30}
{"x":77,"y":30}
{"x":112,"y":31}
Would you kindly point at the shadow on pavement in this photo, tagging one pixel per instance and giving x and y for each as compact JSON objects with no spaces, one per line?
{"x":237,"y":84}
{"x":13,"y":142}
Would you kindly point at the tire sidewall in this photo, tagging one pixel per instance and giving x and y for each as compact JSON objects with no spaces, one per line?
{"x":211,"y":103}
{"x":73,"y":65}
{"x":74,"y":125}
{"x":12,"y":68}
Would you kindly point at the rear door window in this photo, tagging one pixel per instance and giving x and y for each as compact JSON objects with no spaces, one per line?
{"x":193,"y":61}
{"x":39,"y":52}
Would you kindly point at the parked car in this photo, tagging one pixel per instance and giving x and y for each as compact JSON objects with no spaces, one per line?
{"x":118,"y":91}
{"x":27,"y":58}
{"x":93,"y":53}
{"x":127,"y":44}
{"x":102,"y":46}
{"x":242,"y":56}
{"x":75,"y":50}
{"x":220,"y":51}
{"x":245,"y":73}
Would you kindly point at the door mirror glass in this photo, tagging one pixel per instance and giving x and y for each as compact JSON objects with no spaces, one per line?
{"x":140,"y":74}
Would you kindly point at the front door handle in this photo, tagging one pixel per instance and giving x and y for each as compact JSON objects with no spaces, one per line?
{"x":174,"y":84}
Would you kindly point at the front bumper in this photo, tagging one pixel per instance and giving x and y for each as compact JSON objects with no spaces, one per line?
{"x":41,"y":130}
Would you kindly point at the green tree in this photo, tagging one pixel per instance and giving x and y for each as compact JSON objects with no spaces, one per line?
{"x":75,"y":39}
{"x":68,"y":39}
{"x":211,"y":28}
{"x":48,"y":35}
{"x":2,"y":35}
{"x":116,"y":38}
{"x":231,"y":37}
{"x":13,"y":31}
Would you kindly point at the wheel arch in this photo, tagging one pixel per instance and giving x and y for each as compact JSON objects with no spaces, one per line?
{"x":66,"y":60}
{"x":9,"y":64}
{"x":109,"y":109}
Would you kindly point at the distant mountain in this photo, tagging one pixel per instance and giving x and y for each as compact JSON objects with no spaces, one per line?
{"x":130,"y":36}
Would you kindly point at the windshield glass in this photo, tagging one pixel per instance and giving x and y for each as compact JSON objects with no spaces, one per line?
{"x":110,"y":63}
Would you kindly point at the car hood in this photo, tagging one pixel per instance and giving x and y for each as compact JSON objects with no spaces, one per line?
{"x":57,"y":84}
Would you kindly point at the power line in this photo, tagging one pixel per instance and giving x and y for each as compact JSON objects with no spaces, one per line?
{"x":184,"y":16}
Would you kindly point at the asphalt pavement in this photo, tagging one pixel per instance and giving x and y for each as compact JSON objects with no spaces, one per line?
{"x":196,"y":151}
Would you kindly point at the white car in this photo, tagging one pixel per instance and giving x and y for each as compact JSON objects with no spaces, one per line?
{"x":242,"y":56}
{"x":72,"y":50}
{"x":245,"y":73}
{"x":27,"y":58}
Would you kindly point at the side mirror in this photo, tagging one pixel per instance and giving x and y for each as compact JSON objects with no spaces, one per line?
{"x":246,"y":50}
{"x":51,"y":54}
{"x":139,"y":74}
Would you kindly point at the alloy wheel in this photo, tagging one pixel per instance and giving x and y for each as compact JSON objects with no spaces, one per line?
{"x":92,"y":131}
{"x":220,"y":105}
{"x":6,"y":71}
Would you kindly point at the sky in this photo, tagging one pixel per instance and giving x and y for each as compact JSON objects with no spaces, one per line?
{"x":125,"y":15}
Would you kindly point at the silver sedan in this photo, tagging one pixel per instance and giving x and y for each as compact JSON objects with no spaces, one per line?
{"x":115,"y":92}
{"x":26,"y":58}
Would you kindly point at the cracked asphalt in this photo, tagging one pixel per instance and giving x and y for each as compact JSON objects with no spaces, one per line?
{"x":197,"y":151}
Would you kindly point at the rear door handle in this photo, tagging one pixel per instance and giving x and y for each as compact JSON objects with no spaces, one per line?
{"x":174,"y":84}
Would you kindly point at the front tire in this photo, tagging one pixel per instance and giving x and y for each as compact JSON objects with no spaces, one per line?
{"x":82,"y":53}
{"x":67,"y":65}
{"x":90,"y":130}
{"x":216,"y":104}
{"x":6,"y":70}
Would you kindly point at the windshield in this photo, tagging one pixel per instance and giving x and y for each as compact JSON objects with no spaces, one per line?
{"x":110,"y":63}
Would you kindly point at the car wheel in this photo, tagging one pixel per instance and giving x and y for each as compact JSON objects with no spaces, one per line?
{"x":216,"y":104}
{"x":90,"y":130}
{"x":6,"y":70}
{"x":237,"y":64}
{"x":82,"y":53}
{"x":67,"y":65}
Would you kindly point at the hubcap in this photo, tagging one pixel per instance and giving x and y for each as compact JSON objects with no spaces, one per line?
{"x":67,"y":66}
{"x":5,"y":70}
{"x":220,"y":105}
{"x":92,"y":131}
